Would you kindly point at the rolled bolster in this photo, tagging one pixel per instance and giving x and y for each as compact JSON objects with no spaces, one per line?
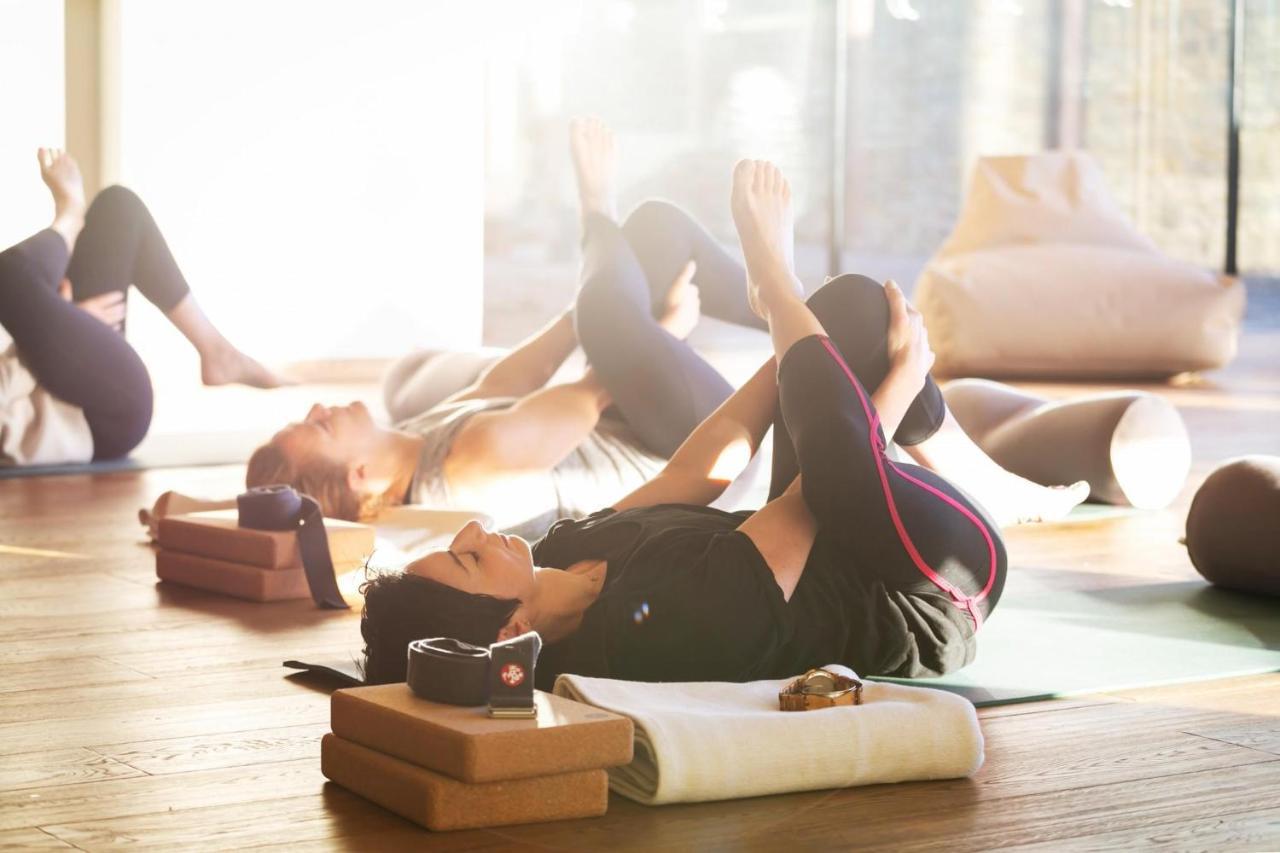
{"x":443,"y":669}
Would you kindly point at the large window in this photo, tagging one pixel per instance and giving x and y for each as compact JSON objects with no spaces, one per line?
{"x":317,"y":167}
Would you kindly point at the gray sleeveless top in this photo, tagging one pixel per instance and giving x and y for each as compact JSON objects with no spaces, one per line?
{"x":605,"y":467}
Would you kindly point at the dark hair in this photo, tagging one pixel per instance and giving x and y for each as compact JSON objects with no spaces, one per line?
{"x":401,"y":608}
{"x":322,"y":479}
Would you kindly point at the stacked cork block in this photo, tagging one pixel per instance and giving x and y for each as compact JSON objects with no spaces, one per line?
{"x":449,"y":767}
{"x":210,"y":551}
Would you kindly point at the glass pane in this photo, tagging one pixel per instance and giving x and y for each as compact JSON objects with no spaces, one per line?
{"x":1260,"y":140}
{"x":1155,"y":116}
{"x":933,"y":85}
{"x":688,"y":86}
{"x":31,"y":60}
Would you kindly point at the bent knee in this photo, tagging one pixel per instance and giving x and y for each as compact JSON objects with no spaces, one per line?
{"x":116,"y":200}
{"x":851,"y":298}
{"x":849,"y":288}
{"x":654,"y":214}
{"x":119,"y":431}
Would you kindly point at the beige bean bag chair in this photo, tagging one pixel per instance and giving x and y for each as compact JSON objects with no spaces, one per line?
{"x":1044,"y":276}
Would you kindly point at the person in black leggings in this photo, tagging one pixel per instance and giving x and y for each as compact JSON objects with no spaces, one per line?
{"x":62,"y":300}
{"x":886,"y":567}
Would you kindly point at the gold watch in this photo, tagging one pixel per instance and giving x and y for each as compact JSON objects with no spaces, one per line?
{"x":820,"y":688}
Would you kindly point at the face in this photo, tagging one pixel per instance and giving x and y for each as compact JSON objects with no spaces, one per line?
{"x":478,"y":561}
{"x":339,"y":433}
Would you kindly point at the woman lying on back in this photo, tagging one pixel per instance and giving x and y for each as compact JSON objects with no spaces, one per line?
{"x":886,"y":567}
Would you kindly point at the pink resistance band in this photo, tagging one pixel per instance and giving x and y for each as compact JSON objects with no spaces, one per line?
{"x":959,"y":598}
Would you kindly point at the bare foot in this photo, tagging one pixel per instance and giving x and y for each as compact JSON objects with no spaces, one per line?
{"x":1029,"y":503}
{"x":595,"y":161}
{"x":61,"y":175}
{"x":227,"y":365}
{"x":683,"y":306}
{"x":761,"y":205}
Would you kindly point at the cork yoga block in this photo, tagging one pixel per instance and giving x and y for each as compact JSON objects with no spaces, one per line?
{"x":235,"y":579}
{"x":218,"y":535}
{"x":465,"y":743}
{"x":437,"y":802}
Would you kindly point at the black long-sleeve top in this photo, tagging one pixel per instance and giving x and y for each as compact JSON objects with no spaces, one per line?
{"x":688,"y":597}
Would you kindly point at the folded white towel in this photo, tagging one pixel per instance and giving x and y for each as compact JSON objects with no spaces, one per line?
{"x":699,"y":741}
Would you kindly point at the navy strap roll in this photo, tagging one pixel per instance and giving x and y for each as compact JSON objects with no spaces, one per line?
{"x":283,"y":508}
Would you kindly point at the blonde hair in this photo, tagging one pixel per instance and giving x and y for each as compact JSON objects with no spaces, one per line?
{"x":322,"y":479}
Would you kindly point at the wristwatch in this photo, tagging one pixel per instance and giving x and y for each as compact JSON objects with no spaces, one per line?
{"x":819,"y":688}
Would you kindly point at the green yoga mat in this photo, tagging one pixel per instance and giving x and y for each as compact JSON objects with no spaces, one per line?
{"x":1047,"y":640}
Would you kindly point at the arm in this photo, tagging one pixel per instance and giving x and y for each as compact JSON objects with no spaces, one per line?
{"x":533,"y":435}
{"x":529,"y":366}
{"x":718,"y":450}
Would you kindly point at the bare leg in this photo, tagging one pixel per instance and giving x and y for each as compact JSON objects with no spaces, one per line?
{"x":1009,"y":498}
{"x":119,"y":246}
{"x":62,"y":176}
{"x":220,"y":362}
{"x":595,"y":163}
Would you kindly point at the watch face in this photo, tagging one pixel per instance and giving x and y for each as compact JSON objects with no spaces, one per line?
{"x":819,"y":682}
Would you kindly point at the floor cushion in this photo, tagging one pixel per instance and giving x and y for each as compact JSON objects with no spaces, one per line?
{"x":1043,"y":276}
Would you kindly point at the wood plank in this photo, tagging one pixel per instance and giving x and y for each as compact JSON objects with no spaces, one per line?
{"x":210,"y":752}
{"x":31,"y":839}
{"x":235,"y":651}
{"x":1263,"y":736}
{"x":71,"y":701}
{"x":293,"y":822}
{"x":1255,"y":830}
{"x":186,"y":721}
{"x":152,"y":794}
{"x":51,"y":673}
{"x":1101,"y":745}
{"x":60,"y":767}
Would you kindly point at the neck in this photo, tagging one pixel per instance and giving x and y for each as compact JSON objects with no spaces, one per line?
{"x":560,"y":598}
{"x":399,"y":452}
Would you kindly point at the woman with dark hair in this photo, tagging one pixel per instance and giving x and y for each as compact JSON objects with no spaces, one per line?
{"x":887,"y":567}
{"x":71,"y":387}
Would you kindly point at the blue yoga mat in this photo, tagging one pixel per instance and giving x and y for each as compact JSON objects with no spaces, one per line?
{"x":158,"y":451}
{"x":1051,"y":635}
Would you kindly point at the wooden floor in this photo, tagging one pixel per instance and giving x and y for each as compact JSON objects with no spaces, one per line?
{"x":135,"y":715}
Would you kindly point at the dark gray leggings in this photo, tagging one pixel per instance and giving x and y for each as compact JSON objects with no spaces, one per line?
{"x":71,"y":354}
{"x":661,"y":386}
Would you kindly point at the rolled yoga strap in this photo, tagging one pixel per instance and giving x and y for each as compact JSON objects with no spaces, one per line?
{"x":283,"y":508}
{"x":443,"y":669}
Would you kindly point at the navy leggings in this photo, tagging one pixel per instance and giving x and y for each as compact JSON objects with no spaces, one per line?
{"x":660,"y":384}
{"x":907,"y":523}
{"x":71,"y":354}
